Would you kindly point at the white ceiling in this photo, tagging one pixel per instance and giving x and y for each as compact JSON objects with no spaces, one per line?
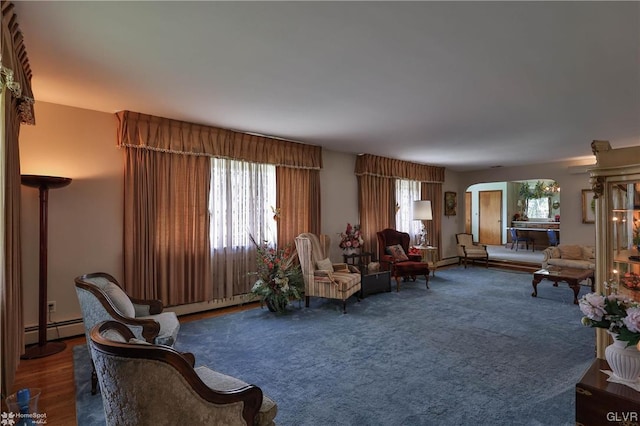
{"x":465,"y":85}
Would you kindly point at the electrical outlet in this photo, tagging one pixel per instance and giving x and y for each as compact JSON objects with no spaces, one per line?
{"x":51,"y":305}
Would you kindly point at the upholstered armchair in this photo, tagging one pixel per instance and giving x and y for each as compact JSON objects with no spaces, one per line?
{"x":393,"y":253}
{"x":102,"y":299}
{"x":148,"y":384}
{"x":321,"y":277}
{"x":469,"y":250}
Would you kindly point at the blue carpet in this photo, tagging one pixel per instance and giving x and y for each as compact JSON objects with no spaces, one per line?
{"x":475,"y":349}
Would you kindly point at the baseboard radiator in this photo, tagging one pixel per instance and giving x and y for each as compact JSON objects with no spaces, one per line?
{"x":74,"y":327}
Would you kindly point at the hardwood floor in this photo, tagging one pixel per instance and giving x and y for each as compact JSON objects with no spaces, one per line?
{"x":54,"y":375}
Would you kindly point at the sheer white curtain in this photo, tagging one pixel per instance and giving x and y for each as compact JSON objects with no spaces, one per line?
{"x":407,"y":191}
{"x":240,"y":204}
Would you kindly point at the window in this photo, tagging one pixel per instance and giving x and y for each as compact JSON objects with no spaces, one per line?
{"x":407,"y":191}
{"x":538,"y":208}
{"x":240,"y":202}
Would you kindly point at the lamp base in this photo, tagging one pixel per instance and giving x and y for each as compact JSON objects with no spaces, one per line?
{"x":49,"y":348}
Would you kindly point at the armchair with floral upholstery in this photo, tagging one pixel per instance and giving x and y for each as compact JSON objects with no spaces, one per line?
{"x":102,"y":299}
{"x":321,"y":277}
{"x":146,"y":384}
{"x":394,"y":255}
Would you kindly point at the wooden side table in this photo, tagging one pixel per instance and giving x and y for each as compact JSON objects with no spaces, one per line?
{"x":360,"y":260}
{"x":599,"y":402}
{"x":429,"y":256}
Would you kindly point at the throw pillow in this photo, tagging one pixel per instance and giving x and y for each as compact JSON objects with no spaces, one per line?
{"x":324,"y":265}
{"x":120,"y":300}
{"x":588,"y":253}
{"x":570,"y":252}
{"x":397,"y":252}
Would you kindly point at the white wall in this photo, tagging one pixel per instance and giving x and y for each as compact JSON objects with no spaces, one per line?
{"x":85,"y":218}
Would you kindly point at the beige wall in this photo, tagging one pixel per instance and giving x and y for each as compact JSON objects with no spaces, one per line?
{"x":85,"y":218}
{"x":339,"y":197}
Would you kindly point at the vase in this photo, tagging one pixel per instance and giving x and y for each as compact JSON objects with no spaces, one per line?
{"x":349,"y":251}
{"x":624,"y":361}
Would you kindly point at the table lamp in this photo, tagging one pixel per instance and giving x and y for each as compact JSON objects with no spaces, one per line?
{"x":422,"y":211}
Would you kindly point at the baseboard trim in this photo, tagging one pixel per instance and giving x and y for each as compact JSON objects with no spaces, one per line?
{"x":55,"y":330}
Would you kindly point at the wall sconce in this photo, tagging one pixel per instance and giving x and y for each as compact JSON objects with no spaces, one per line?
{"x":422,"y":211}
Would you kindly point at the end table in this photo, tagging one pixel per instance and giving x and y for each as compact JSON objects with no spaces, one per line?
{"x":429,"y":256}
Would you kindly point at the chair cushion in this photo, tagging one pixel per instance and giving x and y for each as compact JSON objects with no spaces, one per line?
{"x":411,"y":268}
{"x":346,"y":281}
{"x":397,"y":252}
{"x":169,"y":327}
{"x":324,"y":265}
{"x":222,"y":382}
{"x":120,"y":300}
{"x":476,"y":252}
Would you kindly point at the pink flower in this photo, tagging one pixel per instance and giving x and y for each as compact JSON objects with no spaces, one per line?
{"x":348,"y":244}
{"x":592,"y":305}
{"x":632,"y":320}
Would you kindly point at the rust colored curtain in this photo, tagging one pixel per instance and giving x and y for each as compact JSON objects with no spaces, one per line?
{"x":137,"y":130}
{"x":376,"y":192}
{"x":376,"y":203}
{"x":298,"y":198}
{"x":166,"y":227}
{"x":399,"y":169}
{"x":16,"y":108}
{"x":433,"y":192}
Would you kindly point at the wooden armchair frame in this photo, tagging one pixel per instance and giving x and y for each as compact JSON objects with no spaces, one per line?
{"x":250,"y":395}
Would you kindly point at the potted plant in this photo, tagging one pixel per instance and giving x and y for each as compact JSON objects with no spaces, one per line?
{"x":279,"y":277}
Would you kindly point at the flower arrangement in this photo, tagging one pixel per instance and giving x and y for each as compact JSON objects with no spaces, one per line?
{"x":616,"y":313}
{"x":351,"y":238}
{"x":279,"y":278}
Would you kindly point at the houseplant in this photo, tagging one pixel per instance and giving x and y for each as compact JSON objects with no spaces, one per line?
{"x":351,"y":238}
{"x":278,"y":277}
{"x":620,"y":316}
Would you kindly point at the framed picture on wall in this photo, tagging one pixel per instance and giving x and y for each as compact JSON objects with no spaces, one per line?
{"x":450,"y":203}
{"x":588,"y":206}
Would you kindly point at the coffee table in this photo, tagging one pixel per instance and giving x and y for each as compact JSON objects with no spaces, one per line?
{"x":571,"y":276}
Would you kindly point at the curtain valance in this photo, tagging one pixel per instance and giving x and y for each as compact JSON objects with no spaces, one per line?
{"x":15,"y":71}
{"x":373,"y":165}
{"x":136,"y":130}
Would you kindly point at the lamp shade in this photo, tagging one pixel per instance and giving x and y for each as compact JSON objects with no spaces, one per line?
{"x":422,"y":210}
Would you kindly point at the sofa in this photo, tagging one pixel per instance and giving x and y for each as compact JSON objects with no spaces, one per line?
{"x":569,"y":256}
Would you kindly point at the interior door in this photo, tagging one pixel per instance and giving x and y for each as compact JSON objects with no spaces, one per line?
{"x":467,"y":212}
{"x":490,"y":217}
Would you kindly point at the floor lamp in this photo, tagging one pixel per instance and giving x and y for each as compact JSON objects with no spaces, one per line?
{"x":422,"y":211}
{"x":43,"y":347}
